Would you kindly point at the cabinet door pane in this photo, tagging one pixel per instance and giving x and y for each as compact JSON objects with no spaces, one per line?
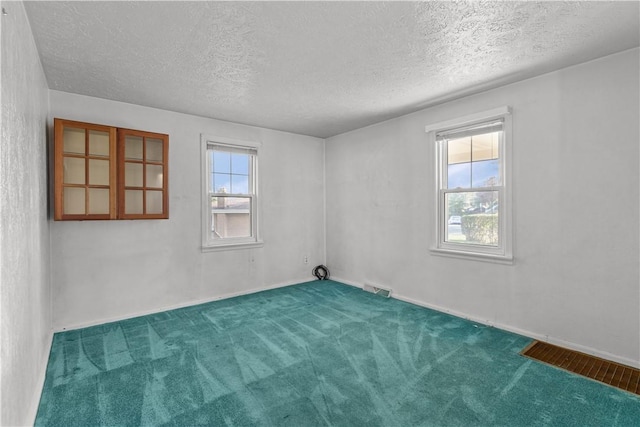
{"x":154,"y":202}
{"x":74,"y":172}
{"x":133,"y":201}
{"x":98,"y":143}
{"x":98,"y":172}
{"x":73,"y":201}
{"x":133,"y":174}
{"x":142,"y":174}
{"x":73,"y":140}
{"x":154,"y":176}
{"x":133,"y":147}
{"x":98,"y":201}
{"x":154,"y":150}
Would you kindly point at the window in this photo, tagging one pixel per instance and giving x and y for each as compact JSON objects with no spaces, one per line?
{"x":473,"y":217}
{"x":230,"y":200}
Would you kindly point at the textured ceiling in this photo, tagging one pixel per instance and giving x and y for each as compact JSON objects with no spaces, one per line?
{"x":315,"y":68}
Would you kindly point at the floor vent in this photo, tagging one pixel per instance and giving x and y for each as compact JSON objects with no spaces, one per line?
{"x":378,"y":291}
{"x":604,"y":371}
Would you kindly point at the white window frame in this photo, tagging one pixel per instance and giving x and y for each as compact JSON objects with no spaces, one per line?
{"x":503,"y":253}
{"x":253,"y":241}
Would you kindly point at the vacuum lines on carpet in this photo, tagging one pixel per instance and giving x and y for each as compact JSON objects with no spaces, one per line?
{"x":314,"y":354}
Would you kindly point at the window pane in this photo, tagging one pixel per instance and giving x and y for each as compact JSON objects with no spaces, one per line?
{"x":459,"y":175}
{"x":133,"y":147}
{"x":98,"y":143}
{"x":98,"y":172}
{"x":74,"y":200}
{"x":485,"y":147}
{"x":133,"y":201}
{"x":73,"y":170}
{"x":73,"y":140}
{"x":239,"y":184}
{"x":459,"y":150}
{"x":98,"y":201}
{"x":133,"y":174}
{"x":231,"y":203}
{"x":240,"y":164}
{"x":154,"y":176}
{"x":154,"y":202}
{"x":231,"y":217}
{"x":221,"y":183}
{"x":221,"y":162}
{"x":154,"y":150}
{"x":485,"y":173}
{"x":472,"y":218}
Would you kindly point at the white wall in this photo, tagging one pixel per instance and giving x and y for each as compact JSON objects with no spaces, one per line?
{"x":576,"y":183}
{"x":103,"y":270}
{"x":25,"y":304}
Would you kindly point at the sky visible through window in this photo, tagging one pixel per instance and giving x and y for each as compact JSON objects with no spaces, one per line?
{"x":230,"y":172}
{"x":473,"y":174}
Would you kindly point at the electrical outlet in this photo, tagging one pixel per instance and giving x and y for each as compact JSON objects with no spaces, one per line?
{"x":306,"y":259}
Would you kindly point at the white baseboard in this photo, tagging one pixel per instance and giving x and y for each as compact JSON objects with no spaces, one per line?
{"x":189,"y":303}
{"x":347,"y":282}
{"x":33,"y":410}
{"x":509,"y":328}
{"x":526,"y":333}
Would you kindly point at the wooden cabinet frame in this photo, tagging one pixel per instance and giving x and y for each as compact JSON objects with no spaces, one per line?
{"x":93,"y":180}
{"x":145,"y":162}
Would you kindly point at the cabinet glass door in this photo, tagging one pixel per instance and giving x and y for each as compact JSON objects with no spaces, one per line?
{"x":143,"y":179}
{"x":84,"y":171}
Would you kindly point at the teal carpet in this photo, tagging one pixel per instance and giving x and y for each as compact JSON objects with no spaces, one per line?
{"x":314,"y":354}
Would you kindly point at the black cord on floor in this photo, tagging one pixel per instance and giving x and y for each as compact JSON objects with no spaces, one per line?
{"x":321,"y":272}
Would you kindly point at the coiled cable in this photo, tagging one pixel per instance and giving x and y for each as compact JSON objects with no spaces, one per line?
{"x":321,"y":272}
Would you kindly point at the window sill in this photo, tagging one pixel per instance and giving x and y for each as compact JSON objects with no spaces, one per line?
{"x":474,"y":256}
{"x":232,"y":246}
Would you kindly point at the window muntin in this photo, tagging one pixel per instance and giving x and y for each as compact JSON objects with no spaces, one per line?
{"x":230,"y":199}
{"x":473,"y":213}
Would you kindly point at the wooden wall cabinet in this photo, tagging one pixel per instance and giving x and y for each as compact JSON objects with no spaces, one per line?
{"x":103,"y":172}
